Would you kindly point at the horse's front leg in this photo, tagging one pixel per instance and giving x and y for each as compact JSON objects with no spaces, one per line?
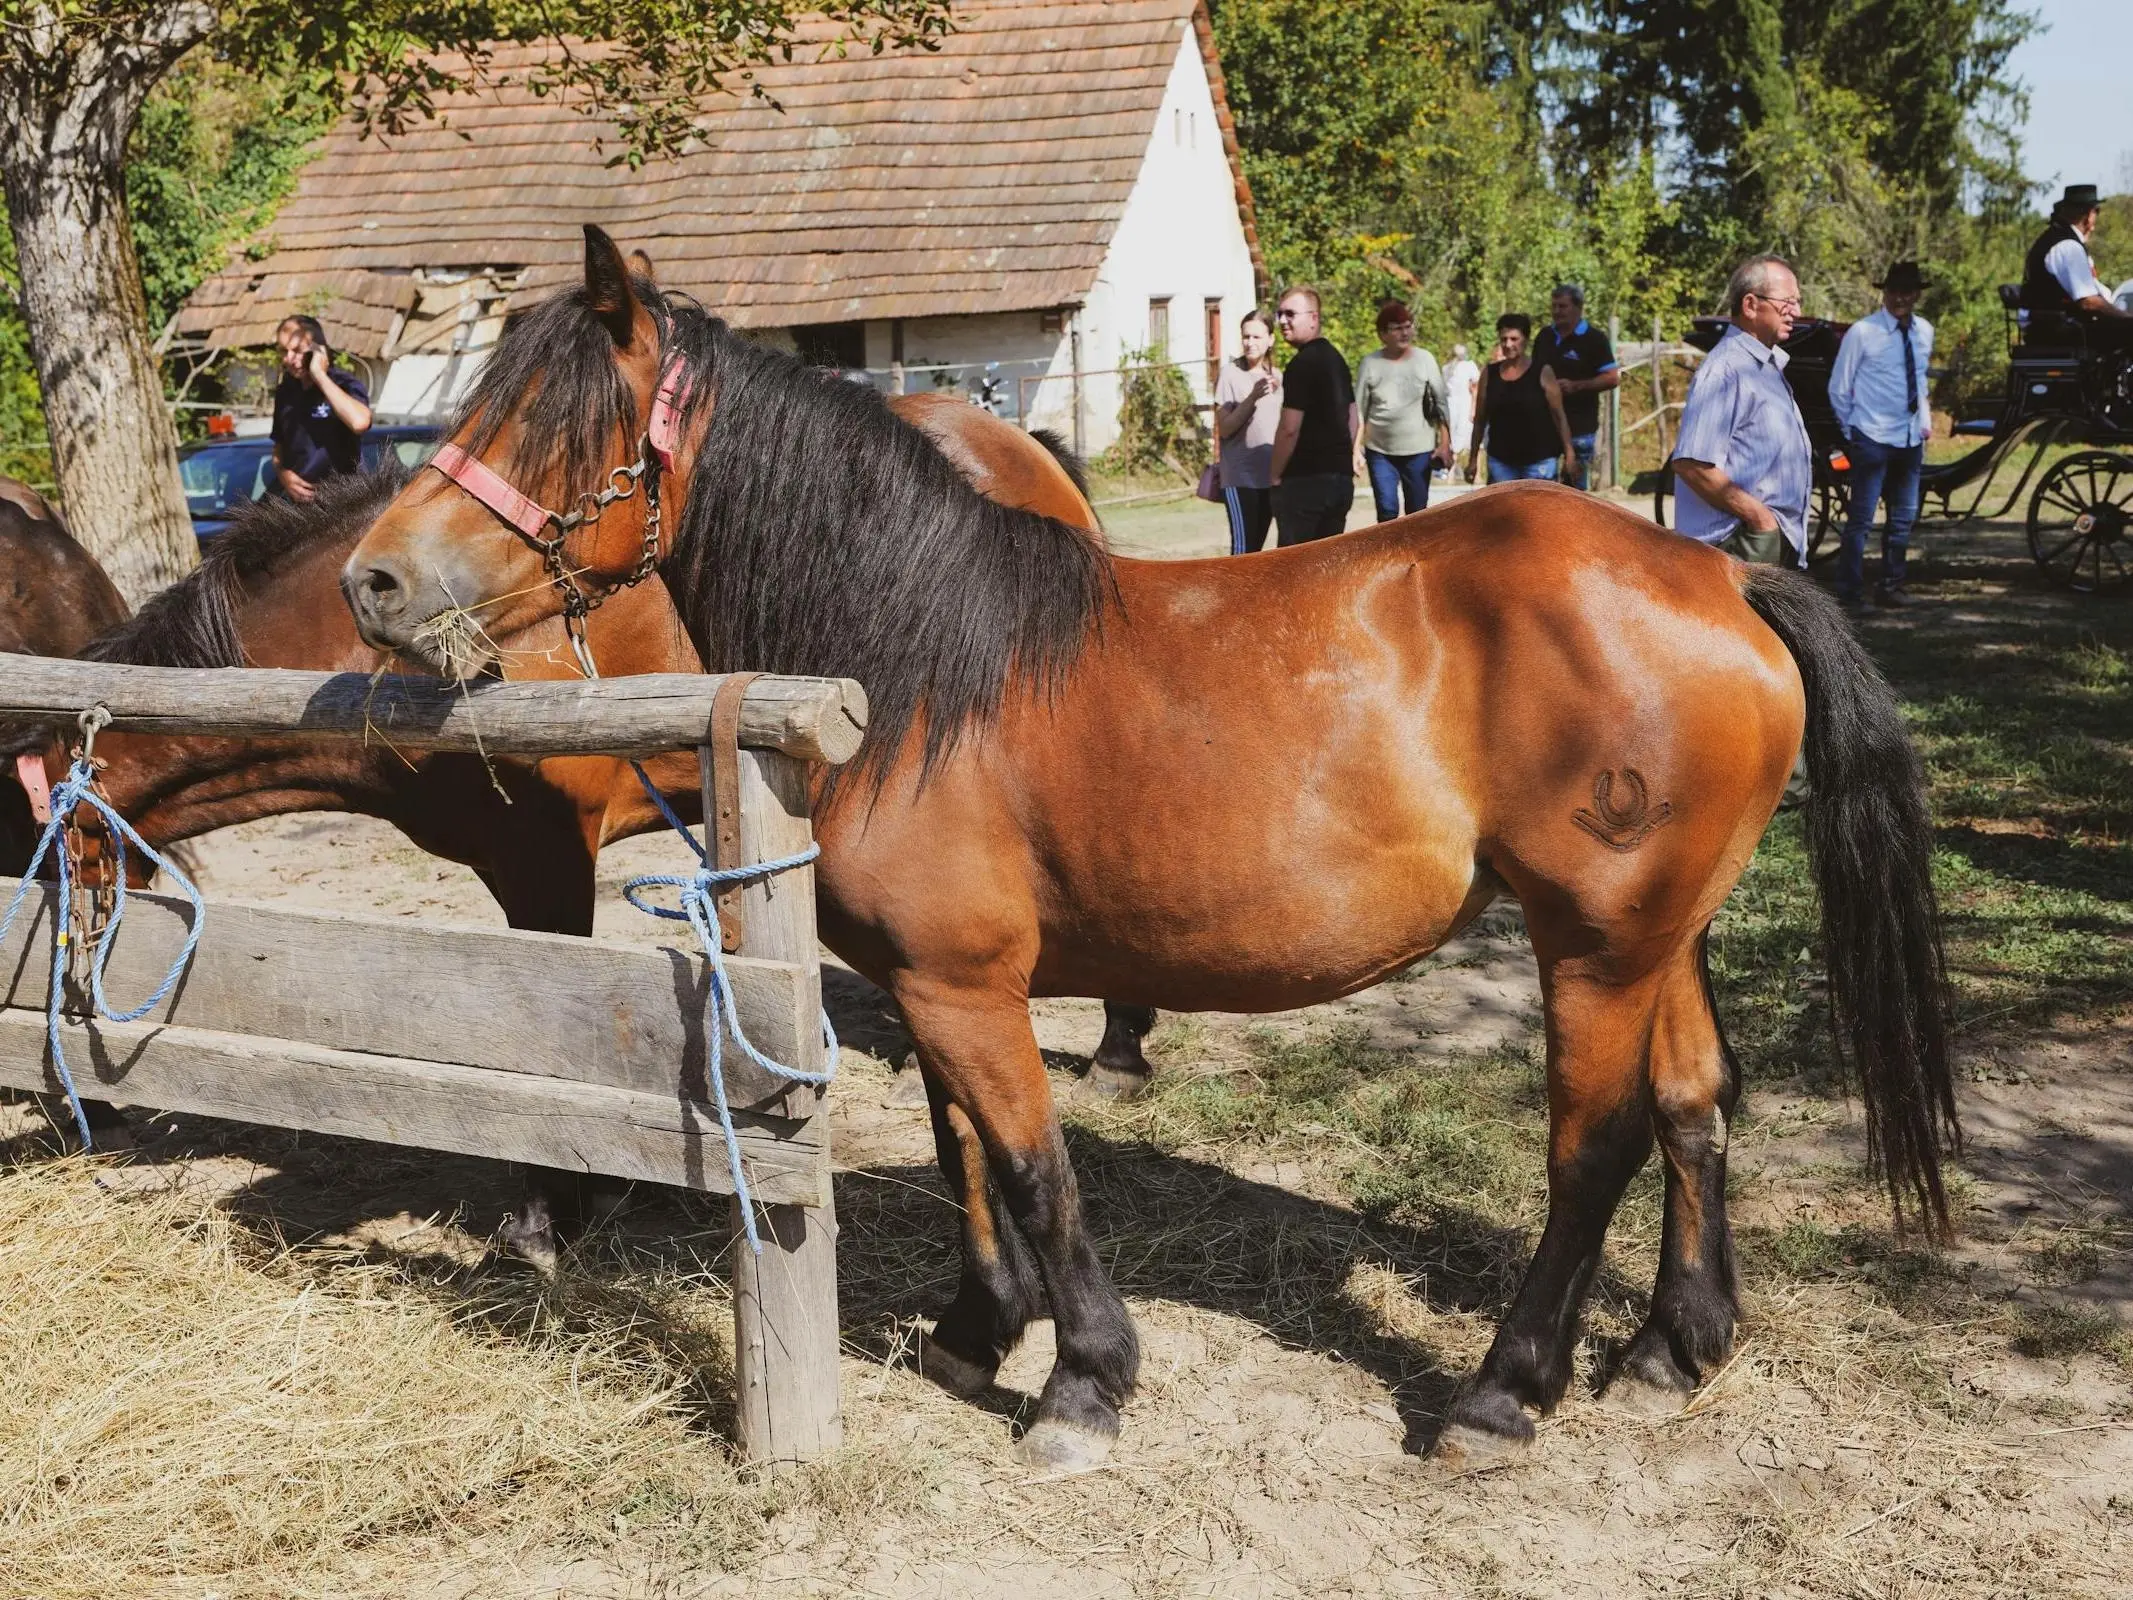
{"x":976,"y":1046}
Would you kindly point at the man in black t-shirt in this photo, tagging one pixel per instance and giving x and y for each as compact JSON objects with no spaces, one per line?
{"x":1584,"y":364}
{"x":1314,"y":446}
{"x":320,"y":411}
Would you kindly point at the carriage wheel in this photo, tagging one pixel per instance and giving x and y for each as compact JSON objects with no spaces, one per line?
{"x":1833,"y":501}
{"x":2081,"y":522}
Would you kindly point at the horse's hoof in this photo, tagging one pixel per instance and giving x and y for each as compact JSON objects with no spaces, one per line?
{"x":1060,"y":1449}
{"x":1635,"y":1395}
{"x":1460,"y":1448}
{"x":961,"y":1377}
{"x":1110,"y":1083}
{"x":533,"y":1245}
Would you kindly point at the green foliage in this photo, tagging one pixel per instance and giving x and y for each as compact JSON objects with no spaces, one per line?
{"x":215,"y":151}
{"x":657,"y":60}
{"x":1464,"y":157}
{"x":1158,"y":423}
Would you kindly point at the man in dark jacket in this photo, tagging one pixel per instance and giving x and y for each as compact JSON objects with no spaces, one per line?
{"x":320,"y":411}
{"x":2059,"y":282}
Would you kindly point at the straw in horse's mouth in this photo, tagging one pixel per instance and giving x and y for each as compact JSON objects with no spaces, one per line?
{"x":455,"y":640}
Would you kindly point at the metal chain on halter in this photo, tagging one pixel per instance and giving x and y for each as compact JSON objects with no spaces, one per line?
{"x":621,"y":485}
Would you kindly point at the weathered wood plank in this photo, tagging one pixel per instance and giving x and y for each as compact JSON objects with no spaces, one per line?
{"x":814,"y":719}
{"x":535,"y":1003}
{"x":785,"y":1316}
{"x":427,"y":1104}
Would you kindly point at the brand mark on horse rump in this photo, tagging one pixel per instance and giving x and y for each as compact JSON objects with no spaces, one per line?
{"x":1629,"y":824}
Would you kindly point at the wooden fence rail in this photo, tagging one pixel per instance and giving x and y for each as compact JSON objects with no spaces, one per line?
{"x":554,"y":1051}
{"x":813,"y":719}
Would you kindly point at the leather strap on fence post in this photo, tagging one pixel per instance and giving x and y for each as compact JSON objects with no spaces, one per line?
{"x":722,"y":793}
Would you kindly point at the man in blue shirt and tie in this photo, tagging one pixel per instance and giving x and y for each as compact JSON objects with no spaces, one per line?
{"x":1878,"y":391}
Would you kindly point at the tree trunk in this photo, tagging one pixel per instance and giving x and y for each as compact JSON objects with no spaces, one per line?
{"x":69,"y":99}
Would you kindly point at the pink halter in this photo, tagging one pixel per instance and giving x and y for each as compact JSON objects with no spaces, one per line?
{"x":532,"y":521}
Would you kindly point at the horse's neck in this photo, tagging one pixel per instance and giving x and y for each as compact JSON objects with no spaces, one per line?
{"x":177,"y":788}
{"x":636,"y":631}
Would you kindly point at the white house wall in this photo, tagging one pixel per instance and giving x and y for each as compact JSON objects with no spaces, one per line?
{"x":1181,"y":237}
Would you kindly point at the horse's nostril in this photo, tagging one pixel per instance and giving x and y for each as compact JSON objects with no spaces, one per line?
{"x":380,"y":582}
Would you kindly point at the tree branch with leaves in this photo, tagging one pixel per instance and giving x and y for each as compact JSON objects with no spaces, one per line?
{"x":74,"y":75}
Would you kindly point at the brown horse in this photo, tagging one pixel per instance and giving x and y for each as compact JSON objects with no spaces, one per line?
{"x":1239,"y":784}
{"x":54,"y":599}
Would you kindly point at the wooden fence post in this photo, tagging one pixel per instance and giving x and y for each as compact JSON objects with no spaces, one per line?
{"x":1614,"y":406}
{"x":785,"y":1300}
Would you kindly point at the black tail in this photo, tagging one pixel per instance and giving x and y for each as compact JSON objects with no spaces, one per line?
{"x":1870,"y":844}
{"x":1069,"y":463}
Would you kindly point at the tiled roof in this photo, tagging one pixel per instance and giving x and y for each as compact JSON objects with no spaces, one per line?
{"x":988,"y":176}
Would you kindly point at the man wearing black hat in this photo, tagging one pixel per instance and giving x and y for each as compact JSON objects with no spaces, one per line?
{"x":2059,"y":281}
{"x":1878,"y":391}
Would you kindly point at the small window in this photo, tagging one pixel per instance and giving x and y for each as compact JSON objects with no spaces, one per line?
{"x":1212,"y":314}
{"x":1159,"y":328}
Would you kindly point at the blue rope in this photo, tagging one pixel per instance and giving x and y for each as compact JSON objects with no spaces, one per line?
{"x":698,"y":894}
{"x":74,"y":790}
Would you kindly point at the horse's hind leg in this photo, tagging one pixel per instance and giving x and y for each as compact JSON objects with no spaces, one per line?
{"x":1599,"y":1117}
{"x":977,"y":1045}
{"x":1119,"y":1069}
{"x":1000,"y":1291}
{"x":1695,"y":1084}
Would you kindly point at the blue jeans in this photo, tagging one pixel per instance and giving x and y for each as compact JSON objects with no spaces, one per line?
{"x":1504,"y":472}
{"x":1584,"y":444}
{"x":1879,"y":471}
{"x":1390,"y":476}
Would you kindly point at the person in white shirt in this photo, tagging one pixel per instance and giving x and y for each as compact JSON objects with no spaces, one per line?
{"x":1878,"y":391}
{"x":1461,"y":379}
{"x":2059,"y":281}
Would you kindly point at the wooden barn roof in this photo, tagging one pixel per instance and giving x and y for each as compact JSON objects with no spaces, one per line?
{"x":986,"y":177}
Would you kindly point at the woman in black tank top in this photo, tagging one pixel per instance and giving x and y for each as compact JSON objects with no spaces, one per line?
{"x":1519,"y":411}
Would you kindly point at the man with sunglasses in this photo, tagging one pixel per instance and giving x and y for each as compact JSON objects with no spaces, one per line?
{"x":1313,"y":467}
{"x":1743,"y":468}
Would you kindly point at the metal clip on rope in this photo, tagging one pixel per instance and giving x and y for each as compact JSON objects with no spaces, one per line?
{"x":78,"y":788}
{"x":699,"y":894}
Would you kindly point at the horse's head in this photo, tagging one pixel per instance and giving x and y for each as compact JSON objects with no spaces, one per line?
{"x":551,"y":491}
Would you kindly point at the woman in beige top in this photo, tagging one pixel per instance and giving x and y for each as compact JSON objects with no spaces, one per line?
{"x":1247,"y":411}
{"x":1402,"y":403}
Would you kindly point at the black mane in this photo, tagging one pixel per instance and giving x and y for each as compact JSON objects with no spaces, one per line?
{"x":823,"y":534}
{"x":193,"y":622}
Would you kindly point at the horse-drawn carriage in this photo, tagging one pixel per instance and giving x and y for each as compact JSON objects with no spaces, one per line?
{"x":2060,"y":390}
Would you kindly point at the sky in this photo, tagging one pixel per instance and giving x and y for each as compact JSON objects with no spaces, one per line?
{"x":2079,"y":88}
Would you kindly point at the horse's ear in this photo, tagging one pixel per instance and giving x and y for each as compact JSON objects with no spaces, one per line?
{"x":607,"y":287}
{"x":641,"y":265}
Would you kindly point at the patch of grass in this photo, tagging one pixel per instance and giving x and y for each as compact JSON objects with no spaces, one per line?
{"x":1405,"y":1133}
{"x":2056,"y":1332}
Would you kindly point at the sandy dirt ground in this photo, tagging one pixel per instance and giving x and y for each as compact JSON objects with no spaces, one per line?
{"x":1857,"y":1444}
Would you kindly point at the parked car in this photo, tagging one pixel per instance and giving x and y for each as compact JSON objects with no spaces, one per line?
{"x":223,"y":474}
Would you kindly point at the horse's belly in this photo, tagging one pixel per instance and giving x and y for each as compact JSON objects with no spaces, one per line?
{"x":1265,"y":934}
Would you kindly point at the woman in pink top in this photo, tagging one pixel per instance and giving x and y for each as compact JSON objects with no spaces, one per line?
{"x":1247,"y":411}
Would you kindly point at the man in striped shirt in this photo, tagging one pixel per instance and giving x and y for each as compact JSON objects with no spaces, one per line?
{"x":1743,"y":468}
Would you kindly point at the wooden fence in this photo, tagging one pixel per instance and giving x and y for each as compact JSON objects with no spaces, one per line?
{"x":529,"y":1047}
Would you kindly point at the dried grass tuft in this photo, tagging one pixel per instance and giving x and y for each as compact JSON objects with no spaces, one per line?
{"x":183,"y":1404}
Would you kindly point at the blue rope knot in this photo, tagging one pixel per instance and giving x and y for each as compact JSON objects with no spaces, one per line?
{"x":698,"y":895}
{"x":77,"y":789}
